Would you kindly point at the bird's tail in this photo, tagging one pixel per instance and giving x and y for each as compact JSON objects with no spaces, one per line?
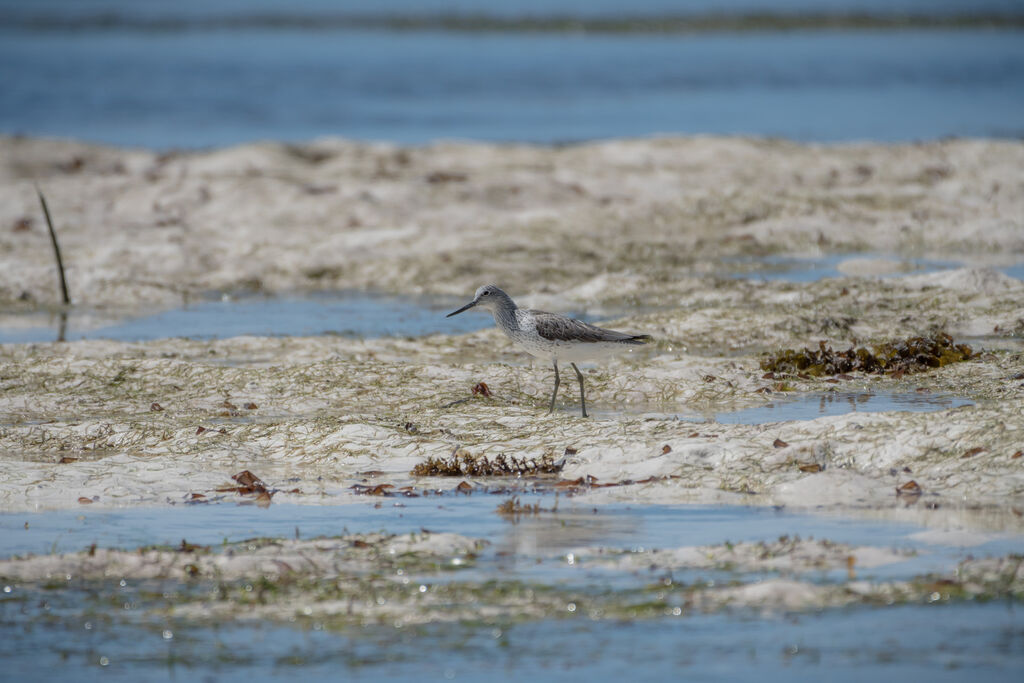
{"x":638,"y":339}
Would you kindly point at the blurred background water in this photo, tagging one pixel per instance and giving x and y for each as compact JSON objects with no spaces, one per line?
{"x":197,"y":73}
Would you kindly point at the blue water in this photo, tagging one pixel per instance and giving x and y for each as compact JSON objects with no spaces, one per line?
{"x":812,"y":269}
{"x":811,"y":406}
{"x":202,"y":84}
{"x":350,"y":315}
{"x":641,"y":526}
{"x":69,"y":637}
{"x":210,"y":524}
{"x":789,"y":406}
{"x":507,"y":8}
{"x":935,"y":643}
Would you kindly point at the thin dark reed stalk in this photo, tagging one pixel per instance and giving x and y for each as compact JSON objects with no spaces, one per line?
{"x":56,"y":250}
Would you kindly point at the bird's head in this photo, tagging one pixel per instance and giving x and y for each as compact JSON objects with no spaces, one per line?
{"x":488,"y":297}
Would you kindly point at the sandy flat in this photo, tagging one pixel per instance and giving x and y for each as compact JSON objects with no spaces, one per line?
{"x":652,"y":230}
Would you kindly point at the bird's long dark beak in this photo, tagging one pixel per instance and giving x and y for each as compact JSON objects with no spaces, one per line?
{"x":468,"y":306}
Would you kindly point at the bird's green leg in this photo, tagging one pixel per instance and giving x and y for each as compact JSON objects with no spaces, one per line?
{"x":555,"y":392}
{"x":583,"y":399}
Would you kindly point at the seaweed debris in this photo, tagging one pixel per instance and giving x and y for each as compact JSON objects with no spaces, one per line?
{"x":915,"y":354}
{"x":462,"y":464}
{"x":514,"y":509}
{"x":250,"y":484}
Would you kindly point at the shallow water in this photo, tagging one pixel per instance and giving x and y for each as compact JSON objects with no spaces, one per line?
{"x":812,"y":269}
{"x":573,"y":525}
{"x":933,"y":643}
{"x":61,"y":632}
{"x":347,"y":314}
{"x":783,"y":407}
{"x":811,"y":406}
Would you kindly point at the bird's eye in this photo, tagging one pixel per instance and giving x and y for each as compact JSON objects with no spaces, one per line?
{"x":485,"y":294}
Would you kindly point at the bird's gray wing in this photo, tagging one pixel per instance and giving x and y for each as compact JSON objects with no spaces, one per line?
{"x":559,"y":328}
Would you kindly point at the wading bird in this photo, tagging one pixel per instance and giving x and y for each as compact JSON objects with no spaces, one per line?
{"x":551,"y":336}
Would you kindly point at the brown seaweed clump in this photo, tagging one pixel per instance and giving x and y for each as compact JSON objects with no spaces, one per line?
{"x":513,"y":509}
{"x":915,"y":354}
{"x":462,"y":464}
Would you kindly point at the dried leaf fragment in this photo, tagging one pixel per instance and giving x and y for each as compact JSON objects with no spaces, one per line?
{"x":247,"y":478}
{"x":378,"y":490}
{"x":810,"y":467}
{"x":67,"y":459}
{"x":779,"y":443}
{"x":973,"y":451}
{"x":911,"y":488}
{"x":464,"y":487}
{"x":155,"y":407}
{"x":666,"y":449}
{"x":84,"y":501}
{"x":481,"y":389}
